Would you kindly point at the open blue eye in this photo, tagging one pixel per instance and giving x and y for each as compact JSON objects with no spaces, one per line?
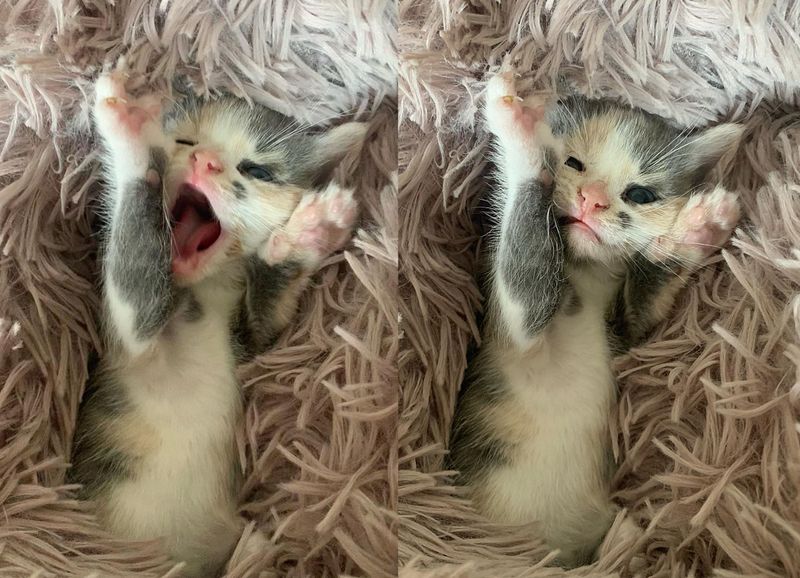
{"x":259,"y":173}
{"x":639,"y":196}
{"x":255,"y":171}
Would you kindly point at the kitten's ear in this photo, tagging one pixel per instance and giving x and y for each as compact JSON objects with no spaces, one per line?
{"x":333,"y":145}
{"x":705,"y":149}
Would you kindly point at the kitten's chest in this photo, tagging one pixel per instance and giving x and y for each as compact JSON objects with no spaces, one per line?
{"x":565,"y":381}
{"x":552,"y":421}
{"x":183,"y":406}
{"x":189,"y":382}
{"x":569,"y":368}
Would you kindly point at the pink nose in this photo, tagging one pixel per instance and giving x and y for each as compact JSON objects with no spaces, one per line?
{"x":593,"y":197}
{"x":206,"y":161}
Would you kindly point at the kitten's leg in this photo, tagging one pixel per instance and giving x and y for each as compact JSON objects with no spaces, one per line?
{"x":703,"y":226}
{"x":320,"y":225}
{"x":528,"y":268}
{"x":139,"y":293}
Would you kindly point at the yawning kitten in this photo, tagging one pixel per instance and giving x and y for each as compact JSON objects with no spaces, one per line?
{"x":603,"y":212}
{"x":213,"y":231}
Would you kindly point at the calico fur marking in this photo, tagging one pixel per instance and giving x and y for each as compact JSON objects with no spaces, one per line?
{"x":98,"y":463}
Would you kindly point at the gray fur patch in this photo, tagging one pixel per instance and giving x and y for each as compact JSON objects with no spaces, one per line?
{"x":572,"y":301}
{"x":193,"y":309}
{"x":139,"y":251}
{"x":624,"y":219}
{"x":475,"y":449}
{"x":97,"y":463}
{"x":255,"y":328}
{"x":531,"y":256}
{"x":239,"y":190}
{"x":631,"y":316}
{"x":274,"y":132}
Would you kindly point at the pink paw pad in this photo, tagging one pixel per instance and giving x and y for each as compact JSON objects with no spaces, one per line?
{"x":131,"y":118}
{"x":115,"y":109}
{"x":508,"y":112}
{"x":320,"y":225}
{"x":705,"y":224}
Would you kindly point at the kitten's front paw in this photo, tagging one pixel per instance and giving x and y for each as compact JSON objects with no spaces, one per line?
{"x":507,"y":114}
{"x":321,"y":224}
{"x":703,"y":226}
{"x":119,"y":117}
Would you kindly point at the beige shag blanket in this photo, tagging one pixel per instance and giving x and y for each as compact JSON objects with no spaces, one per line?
{"x":707,"y":426}
{"x":317,"y":446}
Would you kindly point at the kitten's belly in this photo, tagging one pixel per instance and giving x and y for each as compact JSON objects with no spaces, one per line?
{"x":554,"y":422}
{"x":181,"y":426}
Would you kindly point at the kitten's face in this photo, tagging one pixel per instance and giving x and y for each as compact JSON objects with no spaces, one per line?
{"x":622,"y":176}
{"x":235,"y":175}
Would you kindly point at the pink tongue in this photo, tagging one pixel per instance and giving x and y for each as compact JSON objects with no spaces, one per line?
{"x":193,"y":233}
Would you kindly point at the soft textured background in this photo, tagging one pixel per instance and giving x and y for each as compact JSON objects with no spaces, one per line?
{"x":707,"y":425}
{"x":318,"y":445}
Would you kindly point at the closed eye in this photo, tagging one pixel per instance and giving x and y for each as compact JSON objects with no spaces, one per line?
{"x":188,"y":143}
{"x":574,"y":163}
{"x":639,"y":195}
{"x":255,"y":171}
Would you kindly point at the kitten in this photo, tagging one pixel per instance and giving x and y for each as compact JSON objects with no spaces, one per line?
{"x":602,"y":215}
{"x":213,"y":231}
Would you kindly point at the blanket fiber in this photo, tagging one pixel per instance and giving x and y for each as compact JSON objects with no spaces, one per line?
{"x":707,"y":428}
{"x":317,"y":446}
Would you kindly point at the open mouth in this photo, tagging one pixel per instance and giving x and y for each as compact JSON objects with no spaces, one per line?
{"x":195,"y":227}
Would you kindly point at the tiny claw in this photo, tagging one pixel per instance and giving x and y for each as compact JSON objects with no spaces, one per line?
{"x":509,"y":99}
{"x":112,"y":100}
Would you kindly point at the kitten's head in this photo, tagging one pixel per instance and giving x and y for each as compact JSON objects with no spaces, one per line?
{"x":622,"y":175}
{"x":236,"y":173}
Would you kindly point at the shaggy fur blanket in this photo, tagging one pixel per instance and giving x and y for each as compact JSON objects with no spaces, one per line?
{"x":707,"y":428}
{"x":317,"y":446}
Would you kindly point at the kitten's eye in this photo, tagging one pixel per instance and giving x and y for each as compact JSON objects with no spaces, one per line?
{"x":574,"y":163}
{"x":639,"y":196}
{"x":259,"y":173}
{"x":188,"y":143}
{"x":255,"y":171}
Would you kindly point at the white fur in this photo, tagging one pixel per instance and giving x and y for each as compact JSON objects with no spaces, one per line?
{"x":186,"y":398}
{"x":122,"y":316}
{"x":512,"y":315}
{"x":564,"y":388}
{"x":311,"y":232}
{"x":127,"y":157}
{"x":520,"y":155}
